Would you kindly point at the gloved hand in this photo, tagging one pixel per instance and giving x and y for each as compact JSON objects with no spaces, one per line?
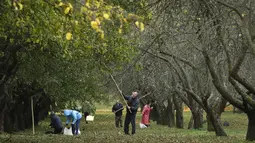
{"x":67,"y":126}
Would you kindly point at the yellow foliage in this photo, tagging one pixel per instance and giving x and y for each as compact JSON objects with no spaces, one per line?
{"x":87,"y":4}
{"x":94,"y":24}
{"x":76,"y":22}
{"x":106,"y":16}
{"x":97,"y":4}
{"x":67,"y":10}
{"x":137,"y":23}
{"x":69,"y":36}
{"x":120,"y":30}
{"x":15,"y":6}
{"x":141,"y":26}
{"x":20,"y":6}
{"x":98,"y":21}
{"x":70,"y":5}
{"x":60,"y":4}
{"x":84,"y":9}
{"x":102,"y":35}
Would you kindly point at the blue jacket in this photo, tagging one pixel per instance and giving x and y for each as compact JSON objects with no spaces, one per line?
{"x":72,"y":114}
{"x":56,"y":122}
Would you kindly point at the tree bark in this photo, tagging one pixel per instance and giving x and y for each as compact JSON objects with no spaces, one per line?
{"x":212,"y":119}
{"x":2,"y":120}
{"x":250,"y":136}
{"x":179,"y":112}
{"x":170,"y":112}
{"x":210,"y":127}
{"x":198,"y":118}
{"x":191,"y":122}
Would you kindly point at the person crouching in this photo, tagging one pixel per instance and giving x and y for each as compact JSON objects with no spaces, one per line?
{"x":56,"y":123}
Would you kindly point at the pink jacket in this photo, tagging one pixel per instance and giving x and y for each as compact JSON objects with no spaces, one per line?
{"x":146,"y":115}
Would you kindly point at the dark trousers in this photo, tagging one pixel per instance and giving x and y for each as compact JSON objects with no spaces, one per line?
{"x":130,"y":118}
{"x":58,"y":131}
{"x":118,"y":121}
{"x":75,"y":127}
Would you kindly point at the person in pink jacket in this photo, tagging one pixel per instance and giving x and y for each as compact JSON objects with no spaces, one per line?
{"x":146,"y":114}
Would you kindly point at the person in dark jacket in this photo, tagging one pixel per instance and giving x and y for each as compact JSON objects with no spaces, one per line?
{"x":56,"y":123}
{"x":117,"y":109}
{"x":132,"y":107}
{"x":85,"y":116}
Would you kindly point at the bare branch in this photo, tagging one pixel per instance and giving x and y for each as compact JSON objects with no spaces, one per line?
{"x":195,"y":97}
{"x":219,"y":85}
{"x":231,"y":7}
{"x":245,"y":97}
{"x":180,"y":59}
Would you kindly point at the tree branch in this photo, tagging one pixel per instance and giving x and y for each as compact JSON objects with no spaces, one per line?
{"x":231,"y":7}
{"x":195,"y":97}
{"x":218,"y":84}
{"x":180,"y":59}
{"x":246,"y":98}
{"x":245,"y":83}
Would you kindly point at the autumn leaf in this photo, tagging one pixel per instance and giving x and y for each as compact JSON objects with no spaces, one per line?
{"x":125,"y":20}
{"x":120,"y":30}
{"x":141,"y":26}
{"x":106,"y":16}
{"x":94,"y":24}
{"x":20,"y":6}
{"x":98,"y":21}
{"x":60,"y":4}
{"x":70,"y":5}
{"x":67,"y":9}
{"x":69,"y":36}
{"x":137,"y":23}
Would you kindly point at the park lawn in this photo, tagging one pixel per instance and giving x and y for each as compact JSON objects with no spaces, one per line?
{"x":102,"y":130}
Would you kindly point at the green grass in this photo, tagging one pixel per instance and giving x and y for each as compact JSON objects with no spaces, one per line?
{"x":102,"y":130}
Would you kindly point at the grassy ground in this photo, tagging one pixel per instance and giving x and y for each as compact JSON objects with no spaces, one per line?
{"x":102,"y":130}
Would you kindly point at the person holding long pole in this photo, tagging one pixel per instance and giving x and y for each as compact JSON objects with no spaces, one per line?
{"x":132,"y":107}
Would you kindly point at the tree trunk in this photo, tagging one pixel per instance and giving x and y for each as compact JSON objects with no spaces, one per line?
{"x":2,"y":120}
{"x":7,"y":123}
{"x":191,"y":122}
{"x":179,"y":112}
{"x":213,"y":119}
{"x":198,"y":118}
{"x":179,"y":119}
{"x":210,"y":127}
{"x":170,"y":112}
{"x":219,"y":131}
{"x":250,"y":136}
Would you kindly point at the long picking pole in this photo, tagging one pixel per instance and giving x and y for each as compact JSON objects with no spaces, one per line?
{"x":119,"y":91}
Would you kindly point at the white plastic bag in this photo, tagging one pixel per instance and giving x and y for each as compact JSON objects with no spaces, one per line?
{"x":142,"y":126}
{"x":90,"y":118}
{"x":68,"y":131}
